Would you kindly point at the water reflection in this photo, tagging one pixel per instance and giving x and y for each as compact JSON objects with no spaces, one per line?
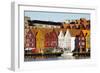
{"x":64,"y":56}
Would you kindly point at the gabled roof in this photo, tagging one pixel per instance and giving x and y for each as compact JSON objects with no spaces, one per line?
{"x":86,"y":32}
{"x":68,"y":34}
{"x":33,"y":31}
{"x":61,"y":34}
{"x":73,"y":32}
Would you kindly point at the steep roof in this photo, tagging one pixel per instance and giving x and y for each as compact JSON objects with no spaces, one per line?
{"x":61,"y":34}
{"x":73,"y":32}
{"x":86,"y":32}
{"x":34,"y":31}
{"x":67,"y":34}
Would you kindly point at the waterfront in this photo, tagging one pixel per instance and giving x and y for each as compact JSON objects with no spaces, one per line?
{"x":53,"y":58}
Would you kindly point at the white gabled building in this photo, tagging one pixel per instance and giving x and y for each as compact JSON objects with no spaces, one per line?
{"x":72,"y":43}
{"x":67,"y":41}
{"x":64,"y":41}
{"x":61,"y":39}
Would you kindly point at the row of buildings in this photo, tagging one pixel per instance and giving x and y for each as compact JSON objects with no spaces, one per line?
{"x":41,"y":35}
{"x":81,"y":23}
{"x":64,"y":39}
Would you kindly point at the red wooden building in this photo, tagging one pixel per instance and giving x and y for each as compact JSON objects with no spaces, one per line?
{"x":82,"y":42}
{"x":30,"y":40}
{"x":51,"y":39}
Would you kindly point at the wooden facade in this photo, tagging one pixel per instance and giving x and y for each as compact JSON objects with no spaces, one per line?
{"x":61,"y":39}
{"x":51,"y":39}
{"x":87,"y":33}
{"x":40,"y":40}
{"x":67,"y":41}
{"x":30,"y":40}
{"x":82,"y":42}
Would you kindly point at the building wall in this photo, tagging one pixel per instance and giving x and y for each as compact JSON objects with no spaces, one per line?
{"x":67,"y":41}
{"x":82,"y":42}
{"x":87,"y":33}
{"x":51,"y":40}
{"x":47,"y":40}
{"x":88,"y":41}
{"x":61,"y":40}
{"x":72,"y":43}
{"x":54,"y":39}
{"x":30,"y":40}
{"x":40,"y":40}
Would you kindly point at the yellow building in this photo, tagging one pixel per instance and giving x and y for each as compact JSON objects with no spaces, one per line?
{"x":88,"y":45}
{"x":40,"y":40}
{"x":88,"y":40}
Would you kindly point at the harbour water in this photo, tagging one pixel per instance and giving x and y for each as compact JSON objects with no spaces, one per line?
{"x":64,"y":56}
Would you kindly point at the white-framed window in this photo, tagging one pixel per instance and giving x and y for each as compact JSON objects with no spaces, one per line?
{"x":27,"y":44}
{"x":80,"y":46}
{"x":83,"y":43}
{"x":82,"y":38}
{"x":79,"y":43}
{"x":79,"y":38}
{"x":30,"y":35}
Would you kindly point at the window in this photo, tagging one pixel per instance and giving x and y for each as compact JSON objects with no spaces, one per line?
{"x":27,"y":45}
{"x":82,"y":38}
{"x":30,"y":35}
{"x":27,"y":40}
{"x":79,"y":43}
{"x":32,"y":45}
{"x":80,"y":46}
{"x":32,"y":40}
{"x":79,"y":38}
{"x":83,"y":43}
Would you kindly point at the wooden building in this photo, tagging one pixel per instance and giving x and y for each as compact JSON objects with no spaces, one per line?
{"x":51,"y":39}
{"x":87,"y":33}
{"x":30,"y":40}
{"x":80,"y":43}
{"x":40,"y":40}
{"x":61,"y":39}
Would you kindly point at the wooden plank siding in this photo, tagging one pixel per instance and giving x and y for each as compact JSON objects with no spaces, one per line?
{"x":30,"y":40}
{"x":51,"y":39}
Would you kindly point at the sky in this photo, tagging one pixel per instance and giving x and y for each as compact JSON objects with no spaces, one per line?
{"x":55,"y":16}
